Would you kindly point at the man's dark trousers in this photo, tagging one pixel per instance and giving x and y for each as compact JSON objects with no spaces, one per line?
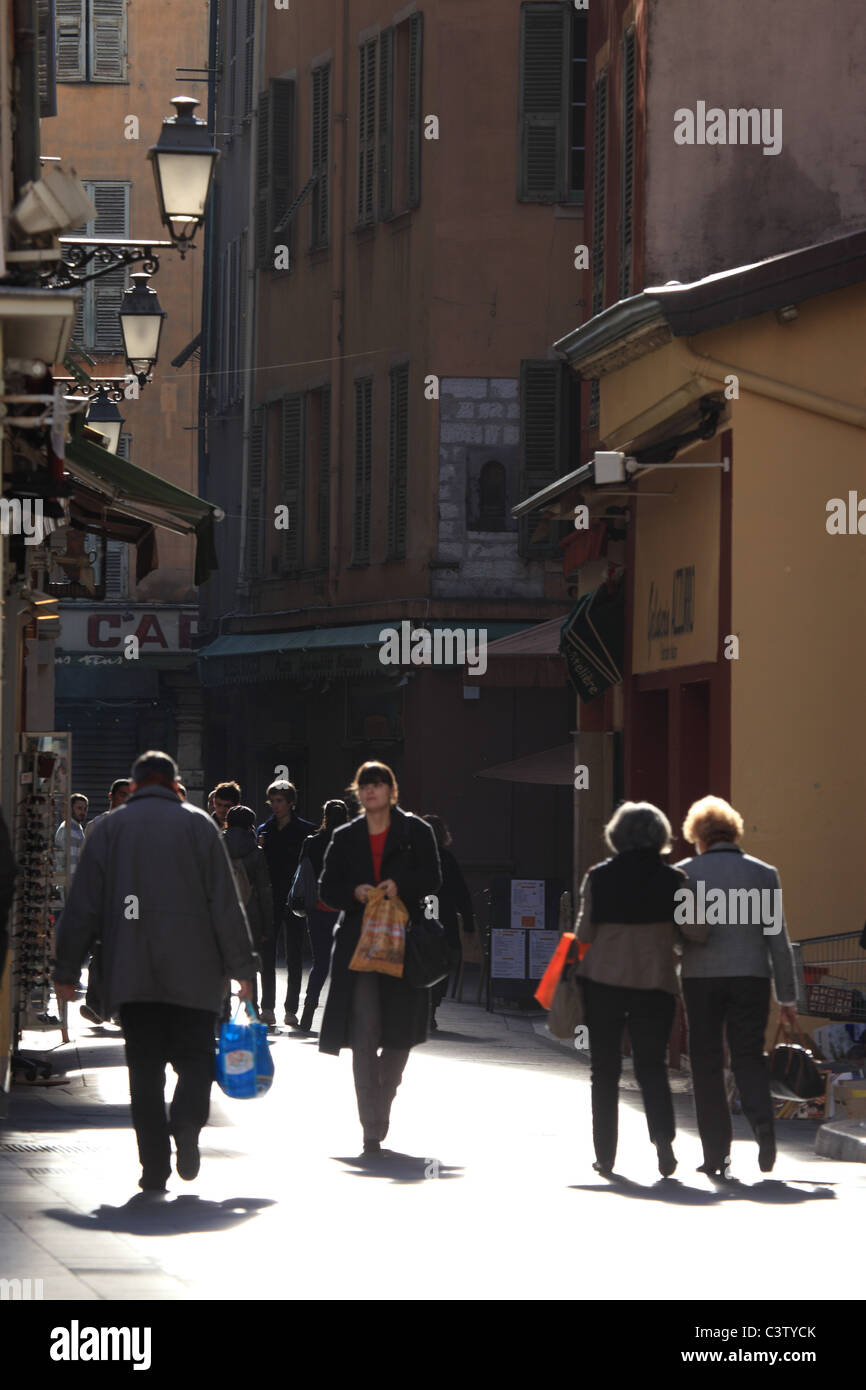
{"x":738,"y":1005}
{"x":295,"y":929}
{"x":158,"y":1034}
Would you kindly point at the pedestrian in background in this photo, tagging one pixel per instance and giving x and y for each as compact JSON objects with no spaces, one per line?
{"x":225,"y":796}
{"x":454,"y":897}
{"x":251,"y":875}
{"x":628,"y":975}
{"x":395,"y":850}
{"x":726,"y":985}
{"x":320,"y":918}
{"x":157,"y":888}
{"x":73,"y":831}
{"x":281,"y":837}
{"x":93,"y":1009}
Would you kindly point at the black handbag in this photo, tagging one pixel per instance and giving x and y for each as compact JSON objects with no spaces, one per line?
{"x":426,"y":958}
{"x":793,"y":1074}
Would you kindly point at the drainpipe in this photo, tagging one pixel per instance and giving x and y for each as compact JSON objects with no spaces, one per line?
{"x":338,"y":291}
{"x":782,"y":391}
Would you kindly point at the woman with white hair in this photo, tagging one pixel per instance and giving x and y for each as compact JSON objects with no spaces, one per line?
{"x":628,"y":975}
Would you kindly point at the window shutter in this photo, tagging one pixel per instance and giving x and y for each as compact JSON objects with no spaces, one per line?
{"x":254,"y":548}
{"x":599,"y":192}
{"x":366,"y":132}
{"x":386,"y":123}
{"x":108,"y":40}
{"x":112,"y":220}
{"x":70,"y":41}
{"x":541,"y":451}
{"x":321,"y":155}
{"x":292,"y":481}
{"x":116,"y":560}
{"x":282,"y":158}
{"x":416,"y":40}
{"x":398,"y":459}
{"x":324,"y":517}
{"x":123,"y":452}
{"x":249,"y":48}
{"x":46,"y":26}
{"x":264,"y":222}
{"x":544,"y":85}
{"x":363,"y":470}
{"x":626,"y":200}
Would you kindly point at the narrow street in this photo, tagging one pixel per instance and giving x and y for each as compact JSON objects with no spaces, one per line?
{"x":488,"y":1193}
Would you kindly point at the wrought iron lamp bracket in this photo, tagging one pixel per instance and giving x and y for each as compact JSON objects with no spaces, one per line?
{"x":87,"y":258}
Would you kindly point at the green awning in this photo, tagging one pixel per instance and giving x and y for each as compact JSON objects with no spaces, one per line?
{"x":128,"y":491}
{"x":314,"y":639}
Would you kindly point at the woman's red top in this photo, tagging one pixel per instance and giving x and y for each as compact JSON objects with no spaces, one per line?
{"x":377,"y":849}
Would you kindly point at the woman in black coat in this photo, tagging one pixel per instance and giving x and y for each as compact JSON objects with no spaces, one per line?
{"x":454,"y":897}
{"x":367,"y":1011}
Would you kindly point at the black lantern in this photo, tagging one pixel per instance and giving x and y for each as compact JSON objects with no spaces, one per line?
{"x":183,"y":163}
{"x":141,"y":319}
{"x":104,"y":416}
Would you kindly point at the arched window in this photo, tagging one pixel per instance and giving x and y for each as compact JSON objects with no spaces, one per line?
{"x":491,"y":486}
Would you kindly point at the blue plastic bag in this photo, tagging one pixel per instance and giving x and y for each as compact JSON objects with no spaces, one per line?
{"x":244,"y":1065}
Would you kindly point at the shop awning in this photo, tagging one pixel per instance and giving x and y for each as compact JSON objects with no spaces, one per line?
{"x":119,"y":499}
{"x":319,"y":638}
{"x":554,"y":767}
{"x":541,"y":640}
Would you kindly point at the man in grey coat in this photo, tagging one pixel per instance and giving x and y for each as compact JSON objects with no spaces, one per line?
{"x":726,"y":980}
{"x":156,"y":887}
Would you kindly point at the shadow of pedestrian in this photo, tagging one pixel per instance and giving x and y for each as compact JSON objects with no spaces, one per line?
{"x":771,"y":1191}
{"x":398,"y":1167}
{"x":182,"y":1215}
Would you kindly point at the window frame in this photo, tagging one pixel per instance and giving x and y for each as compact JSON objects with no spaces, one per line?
{"x":91,"y":17}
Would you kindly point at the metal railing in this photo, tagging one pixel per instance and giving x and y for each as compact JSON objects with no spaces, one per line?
{"x":831,"y":977}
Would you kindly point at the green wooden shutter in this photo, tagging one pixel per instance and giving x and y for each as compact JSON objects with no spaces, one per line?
{"x":292,"y":481}
{"x":627,"y":164}
{"x":324,"y":516}
{"x":599,"y":192}
{"x":264,"y":221}
{"x":543,"y":94}
{"x":366,"y":132}
{"x":71,"y":40}
{"x":111,"y":201}
{"x":416,"y":66}
{"x":320,"y":156}
{"x":46,"y":26}
{"x":398,"y":461}
{"x":541,"y":447}
{"x":254,"y":548}
{"x":386,"y":123}
{"x":108,"y":40}
{"x":281,"y":146}
{"x":363,"y":471}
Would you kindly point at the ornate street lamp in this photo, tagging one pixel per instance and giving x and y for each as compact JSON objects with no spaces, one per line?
{"x":183,"y":164}
{"x":141,"y":318}
{"x":105,"y":417}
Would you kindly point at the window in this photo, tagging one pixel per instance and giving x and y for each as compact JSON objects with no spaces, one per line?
{"x":549,"y":440}
{"x":90,"y":40}
{"x":363,"y":470}
{"x":321,"y":127}
{"x":46,"y":22}
{"x":366,"y":132}
{"x":254,"y":543}
{"x":552,"y":103}
{"x":97,"y":326}
{"x":627,"y":164}
{"x":398,"y":463}
{"x":275,"y":172}
{"x":400,"y":117}
{"x":292,"y":448}
{"x":492,"y":496}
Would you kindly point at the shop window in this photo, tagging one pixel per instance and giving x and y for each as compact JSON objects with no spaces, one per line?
{"x":374,"y":713}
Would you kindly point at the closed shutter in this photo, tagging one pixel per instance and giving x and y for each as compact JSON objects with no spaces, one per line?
{"x":254,"y":548}
{"x":108,"y":40}
{"x":104,"y":746}
{"x":541,"y":451}
{"x":264,"y":224}
{"x":324,"y":517}
{"x":398,"y":462}
{"x":627,"y":193}
{"x":320,"y":155}
{"x":416,"y":39}
{"x":112,"y":220}
{"x":386,"y":123}
{"x":71,"y":41}
{"x":231,"y":59}
{"x":363,"y":471}
{"x":46,"y":26}
{"x":599,"y":191}
{"x":116,"y":567}
{"x":292,"y":481}
{"x":249,"y":49}
{"x":544,"y":77}
{"x":366,"y":132}
{"x":282,"y":158}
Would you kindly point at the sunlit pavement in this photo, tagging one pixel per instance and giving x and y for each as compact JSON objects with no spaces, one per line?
{"x":488,"y":1191}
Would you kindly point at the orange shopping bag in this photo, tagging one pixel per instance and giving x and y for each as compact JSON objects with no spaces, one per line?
{"x":383,"y":936}
{"x":551,"y":977}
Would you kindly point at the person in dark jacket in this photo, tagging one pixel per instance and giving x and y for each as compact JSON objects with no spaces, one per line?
{"x":281,"y":837}
{"x":320,"y":918}
{"x":390,"y":848}
{"x":628,"y":975}
{"x":454,"y":897}
{"x":243,"y":849}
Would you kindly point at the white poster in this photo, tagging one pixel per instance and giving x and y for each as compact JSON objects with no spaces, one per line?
{"x":507,"y":954}
{"x":542,"y":945}
{"x":527,"y":904}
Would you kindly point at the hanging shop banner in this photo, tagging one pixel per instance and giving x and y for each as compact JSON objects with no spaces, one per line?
{"x":593,"y":640}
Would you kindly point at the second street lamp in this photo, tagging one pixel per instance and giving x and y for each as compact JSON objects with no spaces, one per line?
{"x":183,"y":164}
{"x":104,"y":416}
{"x":141,"y":318}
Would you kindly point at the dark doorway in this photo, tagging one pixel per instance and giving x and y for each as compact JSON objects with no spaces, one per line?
{"x":650,"y":735}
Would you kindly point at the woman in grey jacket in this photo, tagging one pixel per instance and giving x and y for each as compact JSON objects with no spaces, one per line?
{"x":726,"y":981}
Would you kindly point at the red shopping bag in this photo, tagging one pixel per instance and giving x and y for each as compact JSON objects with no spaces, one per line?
{"x":552,"y":975}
